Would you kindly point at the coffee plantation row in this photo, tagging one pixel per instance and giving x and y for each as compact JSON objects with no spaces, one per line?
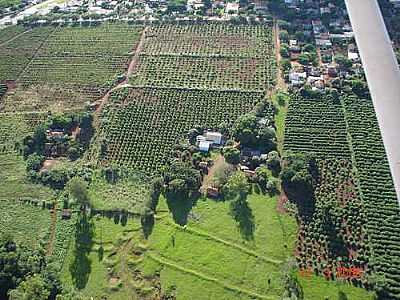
{"x":16,"y":54}
{"x":318,"y":126}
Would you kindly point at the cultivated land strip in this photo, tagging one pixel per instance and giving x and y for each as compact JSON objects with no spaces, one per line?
{"x":228,"y":286}
{"x":36,"y":52}
{"x":14,"y":37}
{"x":222,"y":241}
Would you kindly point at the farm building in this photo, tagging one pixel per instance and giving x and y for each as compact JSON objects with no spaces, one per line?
{"x":204,"y":146}
{"x":214,"y":137}
{"x":212,"y":192}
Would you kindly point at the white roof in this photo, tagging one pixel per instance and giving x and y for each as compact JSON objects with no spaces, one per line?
{"x":352,"y":55}
{"x":204,"y":145}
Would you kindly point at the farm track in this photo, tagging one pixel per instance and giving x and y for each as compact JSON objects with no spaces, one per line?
{"x":233,"y":288}
{"x":15,"y":37}
{"x":131,"y":67}
{"x":224,"y":242}
{"x":280,"y":84}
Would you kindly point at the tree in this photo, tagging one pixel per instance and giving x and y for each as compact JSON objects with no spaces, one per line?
{"x":77,"y":189}
{"x":237,"y":185}
{"x":73,"y":153}
{"x":244,"y":129}
{"x":298,"y":175}
{"x":284,"y":36}
{"x":284,"y":51}
{"x":181,"y":178}
{"x":262,"y":175}
{"x":231,"y":155}
{"x":265,"y":138}
{"x":304,"y":59}
{"x":34,"y":162}
{"x":286,"y":65}
{"x":309,"y":48}
{"x":360,"y":88}
{"x":343,"y":62}
{"x":274,"y":162}
{"x":32,"y":288}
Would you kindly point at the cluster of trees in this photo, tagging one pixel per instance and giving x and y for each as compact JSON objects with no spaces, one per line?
{"x":25,"y":274}
{"x":254,"y":134}
{"x":298,"y":176}
{"x":35,"y":143}
{"x":181,"y":179}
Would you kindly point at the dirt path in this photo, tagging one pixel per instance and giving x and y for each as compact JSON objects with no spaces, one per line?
{"x":131,"y":68}
{"x":15,"y":37}
{"x":207,"y":181}
{"x":280,"y":82}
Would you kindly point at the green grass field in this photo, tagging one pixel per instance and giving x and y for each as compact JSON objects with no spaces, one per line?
{"x":14,"y":183}
{"x":206,"y":259}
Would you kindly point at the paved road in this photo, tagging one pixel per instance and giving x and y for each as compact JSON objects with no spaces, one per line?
{"x":383,"y":75}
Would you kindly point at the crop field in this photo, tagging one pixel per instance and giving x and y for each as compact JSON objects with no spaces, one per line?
{"x":86,"y":59}
{"x":12,"y":128}
{"x":16,"y":54}
{"x":10,"y":32}
{"x":359,"y":182}
{"x":339,"y":222}
{"x":203,"y":72}
{"x":128,"y":194}
{"x":28,"y":224}
{"x":376,"y":184}
{"x":64,"y":68}
{"x":215,"y":57}
{"x":209,"y":40}
{"x":141,"y":125}
{"x":316,"y":126}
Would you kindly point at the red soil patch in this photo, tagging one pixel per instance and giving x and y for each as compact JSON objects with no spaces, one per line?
{"x":48,"y":164}
{"x":283,"y":199}
{"x":11,"y":84}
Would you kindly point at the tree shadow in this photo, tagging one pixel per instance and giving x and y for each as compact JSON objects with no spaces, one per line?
{"x":80,"y":267}
{"x":243,"y":215}
{"x":180,"y":206}
{"x":147,"y":222}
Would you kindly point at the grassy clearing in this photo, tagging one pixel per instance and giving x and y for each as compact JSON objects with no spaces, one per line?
{"x":99,"y":259}
{"x":14,"y":183}
{"x":207,"y":259}
{"x":212,"y":256}
{"x":128,"y":194}
{"x":280,"y":118}
{"x":317,"y":288}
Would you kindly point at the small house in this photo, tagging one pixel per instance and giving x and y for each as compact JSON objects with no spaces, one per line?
{"x":249,"y":173}
{"x":212,"y":192}
{"x":204,"y":146}
{"x":66,"y":214}
{"x":203,"y":165}
{"x":214,"y":137}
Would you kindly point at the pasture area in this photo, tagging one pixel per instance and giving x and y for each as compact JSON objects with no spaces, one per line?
{"x":207,"y":259}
